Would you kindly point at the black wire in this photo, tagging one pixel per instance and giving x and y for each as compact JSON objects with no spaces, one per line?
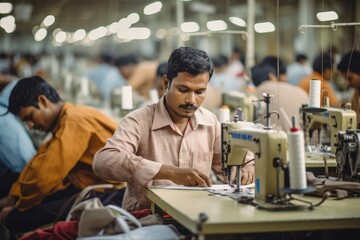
{"x":245,"y":163}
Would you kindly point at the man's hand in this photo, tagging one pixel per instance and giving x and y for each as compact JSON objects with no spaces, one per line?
{"x":8,"y":201}
{"x":183,"y":176}
{"x":4,"y":213}
{"x":247,"y":174}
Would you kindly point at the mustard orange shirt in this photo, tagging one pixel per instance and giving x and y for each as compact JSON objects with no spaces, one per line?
{"x":66,"y":158}
{"x":305,"y":84}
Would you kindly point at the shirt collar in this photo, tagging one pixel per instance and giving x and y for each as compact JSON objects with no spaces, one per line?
{"x":65,"y":107}
{"x":162,"y":117}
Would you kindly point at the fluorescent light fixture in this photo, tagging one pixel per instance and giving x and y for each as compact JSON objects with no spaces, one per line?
{"x":133,"y":18}
{"x":8,"y":23}
{"x":79,"y":35}
{"x":138,"y":33}
{"x":97,"y":33}
{"x":264,"y":27}
{"x":237,"y":21}
{"x":124,"y":23}
{"x":327,"y":16}
{"x":190,"y":27}
{"x":152,"y":8}
{"x":60,"y":37}
{"x":40,"y":34}
{"x":49,"y":20}
{"x":5,"y":8}
{"x":216,"y":25}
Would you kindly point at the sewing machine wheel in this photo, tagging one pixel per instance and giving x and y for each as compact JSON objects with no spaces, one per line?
{"x":342,"y":168}
{"x":348,"y":155}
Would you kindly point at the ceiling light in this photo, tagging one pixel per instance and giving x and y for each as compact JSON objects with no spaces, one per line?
{"x":138,"y":33}
{"x":79,"y":35}
{"x":264,"y":27}
{"x":190,"y":27}
{"x":60,"y":37}
{"x":237,"y":21}
{"x":133,"y":18}
{"x":49,"y":20}
{"x":327,"y":16}
{"x":5,"y":8}
{"x":152,"y":8}
{"x":40,"y":34}
{"x":216,"y":25}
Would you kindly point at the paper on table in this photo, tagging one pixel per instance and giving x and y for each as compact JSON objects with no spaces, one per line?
{"x":213,"y":187}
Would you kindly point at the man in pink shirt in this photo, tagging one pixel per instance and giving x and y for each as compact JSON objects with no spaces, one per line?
{"x":174,"y":141}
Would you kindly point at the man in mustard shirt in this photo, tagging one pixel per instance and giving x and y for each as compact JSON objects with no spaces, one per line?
{"x":62,"y":165}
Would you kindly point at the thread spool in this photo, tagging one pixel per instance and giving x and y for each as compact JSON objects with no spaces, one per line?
{"x":85,"y":87}
{"x":154,"y":95}
{"x":126,"y":98}
{"x":314,"y":93}
{"x":224,"y":114}
{"x":297,"y":158}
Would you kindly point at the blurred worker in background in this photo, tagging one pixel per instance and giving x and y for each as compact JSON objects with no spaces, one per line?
{"x":349,"y":66}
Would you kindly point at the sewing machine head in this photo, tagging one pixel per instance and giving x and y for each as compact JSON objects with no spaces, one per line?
{"x":251,"y":108}
{"x":270,"y":151}
{"x":348,"y":155}
{"x":330,"y":121}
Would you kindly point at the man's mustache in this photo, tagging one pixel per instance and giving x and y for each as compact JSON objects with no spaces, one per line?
{"x":188,"y":106}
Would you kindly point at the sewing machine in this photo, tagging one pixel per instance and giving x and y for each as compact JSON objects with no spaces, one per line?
{"x":348,"y":155}
{"x":270,"y":152}
{"x":270,"y":149}
{"x":332,"y":120}
{"x":251,"y":108}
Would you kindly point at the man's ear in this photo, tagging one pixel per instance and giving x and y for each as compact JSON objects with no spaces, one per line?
{"x":166,"y":82}
{"x":42,"y":100}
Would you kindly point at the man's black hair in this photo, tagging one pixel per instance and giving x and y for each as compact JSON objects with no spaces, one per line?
{"x":350,"y":61}
{"x":189,"y":60}
{"x":260,"y":73}
{"x":321,"y":63}
{"x":272,"y":61}
{"x":300,"y":57}
{"x":126,"y":60}
{"x":161,"y":69}
{"x":26,"y":93}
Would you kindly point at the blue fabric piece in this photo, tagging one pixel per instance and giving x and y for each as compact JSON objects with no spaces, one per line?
{"x":16,"y":147}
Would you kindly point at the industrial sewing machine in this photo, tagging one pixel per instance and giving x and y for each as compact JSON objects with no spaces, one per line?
{"x":251,"y":107}
{"x":331,"y":121}
{"x":270,"y":149}
{"x":348,"y":155}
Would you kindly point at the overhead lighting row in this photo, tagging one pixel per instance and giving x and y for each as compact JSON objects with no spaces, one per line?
{"x":125,"y":32}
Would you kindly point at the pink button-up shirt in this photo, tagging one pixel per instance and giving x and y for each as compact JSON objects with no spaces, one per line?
{"x":147,"y":138}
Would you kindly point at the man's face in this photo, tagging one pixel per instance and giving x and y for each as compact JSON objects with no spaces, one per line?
{"x":127,"y":70}
{"x":185,"y":94}
{"x":41,"y":118}
{"x":353,"y":79}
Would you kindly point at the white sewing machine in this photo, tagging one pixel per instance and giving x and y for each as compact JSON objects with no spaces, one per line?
{"x":270,"y":152}
{"x":251,"y":108}
{"x":332,"y":120}
{"x":269,"y":147}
